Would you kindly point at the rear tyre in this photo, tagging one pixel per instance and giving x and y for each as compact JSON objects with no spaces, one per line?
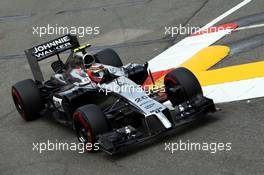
{"x":89,"y":122}
{"x":181,"y":85}
{"x":27,"y":99}
{"x":108,"y":57}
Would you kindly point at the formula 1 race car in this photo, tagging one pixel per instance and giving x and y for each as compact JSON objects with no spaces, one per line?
{"x":104,"y":101}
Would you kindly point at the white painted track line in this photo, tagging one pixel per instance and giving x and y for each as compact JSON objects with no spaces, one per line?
{"x":250,"y":27}
{"x":224,"y":15}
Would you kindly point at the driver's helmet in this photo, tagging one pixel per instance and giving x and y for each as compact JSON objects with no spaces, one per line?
{"x":88,"y":60}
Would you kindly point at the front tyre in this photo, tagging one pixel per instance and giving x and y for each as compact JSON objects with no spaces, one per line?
{"x":89,"y":122}
{"x":27,"y":99}
{"x":181,"y":85}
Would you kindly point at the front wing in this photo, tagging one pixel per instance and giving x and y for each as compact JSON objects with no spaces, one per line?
{"x":127,"y":137}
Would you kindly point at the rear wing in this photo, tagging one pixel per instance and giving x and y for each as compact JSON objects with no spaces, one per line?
{"x":49,"y":49}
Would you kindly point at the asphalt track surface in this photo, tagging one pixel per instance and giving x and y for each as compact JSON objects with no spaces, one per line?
{"x":135,"y":28}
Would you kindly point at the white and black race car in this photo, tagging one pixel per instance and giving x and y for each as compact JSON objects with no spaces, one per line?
{"x":105,"y":101}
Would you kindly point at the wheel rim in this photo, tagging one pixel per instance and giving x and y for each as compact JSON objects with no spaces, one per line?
{"x":18,"y":103}
{"x":175,"y":98}
{"x":82,"y":128}
{"x":170,"y":83}
{"x":82,"y":134}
